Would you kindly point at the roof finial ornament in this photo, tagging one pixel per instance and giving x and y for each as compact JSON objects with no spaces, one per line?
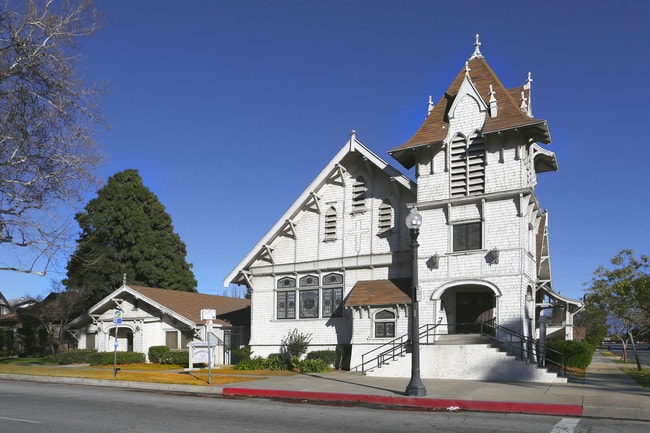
{"x":124,"y":279}
{"x":467,"y":69}
{"x":493,"y":102}
{"x":524,"y":105}
{"x":353,"y":139}
{"x":430,"y":106}
{"x":477,"y":49}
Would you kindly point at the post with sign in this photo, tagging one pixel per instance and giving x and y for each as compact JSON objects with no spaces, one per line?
{"x":117,"y":321}
{"x":208,"y":316}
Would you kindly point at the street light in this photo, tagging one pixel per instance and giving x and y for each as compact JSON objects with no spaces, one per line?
{"x":415,"y":387}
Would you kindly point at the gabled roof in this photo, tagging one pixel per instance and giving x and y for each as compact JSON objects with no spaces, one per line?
{"x":5,"y":303}
{"x":184,"y":306}
{"x":379,"y":292}
{"x":351,"y":147}
{"x":510,"y":115}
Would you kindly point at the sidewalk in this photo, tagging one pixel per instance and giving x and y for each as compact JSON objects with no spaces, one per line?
{"x":605,"y":392}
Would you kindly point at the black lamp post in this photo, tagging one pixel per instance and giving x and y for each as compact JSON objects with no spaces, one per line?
{"x":415,"y":387}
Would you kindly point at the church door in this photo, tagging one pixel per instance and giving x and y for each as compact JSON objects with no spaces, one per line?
{"x":469,"y":305}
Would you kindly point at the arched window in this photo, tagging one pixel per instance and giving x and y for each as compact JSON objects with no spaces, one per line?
{"x":385,"y":217}
{"x":330,"y":224}
{"x":467,"y":165}
{"x":385,"y":324}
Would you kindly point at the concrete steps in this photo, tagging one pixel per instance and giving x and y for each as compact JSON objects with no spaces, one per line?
{"x":467,"y":361}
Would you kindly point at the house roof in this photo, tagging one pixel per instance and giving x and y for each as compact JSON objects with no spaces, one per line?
{"x":190,"y":304}
{"x":353,"y":146}
{"x":509,"y":113}
{"x":185,"y":306}
{"x":379,"y":292}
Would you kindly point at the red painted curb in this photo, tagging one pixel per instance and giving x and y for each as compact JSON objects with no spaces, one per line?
{"x":411,"y":402}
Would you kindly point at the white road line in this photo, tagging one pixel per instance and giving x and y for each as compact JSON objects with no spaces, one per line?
{"x":29,"y":421}
{"x":566,"y":425}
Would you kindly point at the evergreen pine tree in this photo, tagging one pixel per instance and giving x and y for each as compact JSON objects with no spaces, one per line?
{"x":126,"y":230}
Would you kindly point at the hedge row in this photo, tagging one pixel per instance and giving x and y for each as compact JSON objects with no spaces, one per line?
{"x":164,"y":355}
{"x":92,"y":357}
{"x":315,"y":362}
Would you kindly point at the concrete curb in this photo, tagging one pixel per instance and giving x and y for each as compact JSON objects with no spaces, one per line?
{"x":422,"y":403}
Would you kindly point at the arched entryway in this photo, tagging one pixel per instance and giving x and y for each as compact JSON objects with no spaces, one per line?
{"x":463,"y":307}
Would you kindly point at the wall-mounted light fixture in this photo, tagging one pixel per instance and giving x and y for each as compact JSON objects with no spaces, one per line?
{"x":494,"y":257}
{"x":434,"y":261}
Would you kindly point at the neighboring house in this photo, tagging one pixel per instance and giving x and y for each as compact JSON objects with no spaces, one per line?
{"x":12,"y":340}
{"x":338,"y":264}
{"x":8,"y":325}
{"x":159,"y":317}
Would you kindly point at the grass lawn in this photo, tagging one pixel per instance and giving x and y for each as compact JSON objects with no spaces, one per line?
{"x":153,"y":373}
{"x":641,"y":377}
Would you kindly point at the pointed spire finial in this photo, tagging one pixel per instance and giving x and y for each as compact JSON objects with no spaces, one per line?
{"x":467,"y":69}
{"x":124,"y":279}
{"x":493,"y":102}
{"x":477,"y":49}
{"x":524,"y":105}
{"x":430,"y":105}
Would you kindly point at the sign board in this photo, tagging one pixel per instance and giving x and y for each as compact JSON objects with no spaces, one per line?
{"x":208,"y":314}
{"x":117,"y":317}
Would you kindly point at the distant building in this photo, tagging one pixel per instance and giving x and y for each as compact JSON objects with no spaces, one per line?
{"x":158,"y":317}
{"x":338,"y":263}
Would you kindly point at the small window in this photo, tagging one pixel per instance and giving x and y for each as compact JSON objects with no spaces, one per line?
{"x":385,"y":324}
{"x":331,"y":279}
{"x":308,"y":304}
{"x":385,"y":217}
{"x":359,"y":195}
{"x":309,"y":280}
{"x":171,"y":339}
{"x":90,"y":341}
{"x":330,"y":224}
{"x":286,"y":305}
{"x":467,"y":236}
{"x":286,"y":282}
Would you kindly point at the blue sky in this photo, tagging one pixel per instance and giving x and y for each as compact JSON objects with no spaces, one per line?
{"x":230,"y":108}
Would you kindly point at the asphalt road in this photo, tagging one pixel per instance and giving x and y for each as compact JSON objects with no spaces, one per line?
{"x":56,"y":408}
{"x":642,"y":349}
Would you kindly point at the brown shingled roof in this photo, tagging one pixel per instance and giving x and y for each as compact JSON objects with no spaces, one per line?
{"x":190,"y":304}
{"x":379,"y":292}
{"x":436,"y":126}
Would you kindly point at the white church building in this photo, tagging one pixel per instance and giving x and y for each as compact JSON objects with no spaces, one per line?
{"x":339,"y":265}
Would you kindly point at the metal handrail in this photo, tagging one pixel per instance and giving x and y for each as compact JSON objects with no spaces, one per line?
{"x":529,"y":347}
{"x":394,"y":348}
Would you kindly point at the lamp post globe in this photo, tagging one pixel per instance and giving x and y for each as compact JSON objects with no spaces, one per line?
{"x":415,"y":387}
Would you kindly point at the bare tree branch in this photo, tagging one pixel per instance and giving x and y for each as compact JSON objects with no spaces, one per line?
{"x":48,"y":118}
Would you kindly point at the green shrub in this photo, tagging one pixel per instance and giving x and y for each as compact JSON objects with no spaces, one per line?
{"x":177,"y":357}
{"x":76,"y":356}
{"x":296,"y":343}
{"x":242,"y":354}
{"x":106,"y":358}
{"x":277,"y":361}
{"x":577,"y":354}
{"x":156,"y":353}
{"x":329,"y":356}
{"x":256,"y":363}
{"x":314,"y":366}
